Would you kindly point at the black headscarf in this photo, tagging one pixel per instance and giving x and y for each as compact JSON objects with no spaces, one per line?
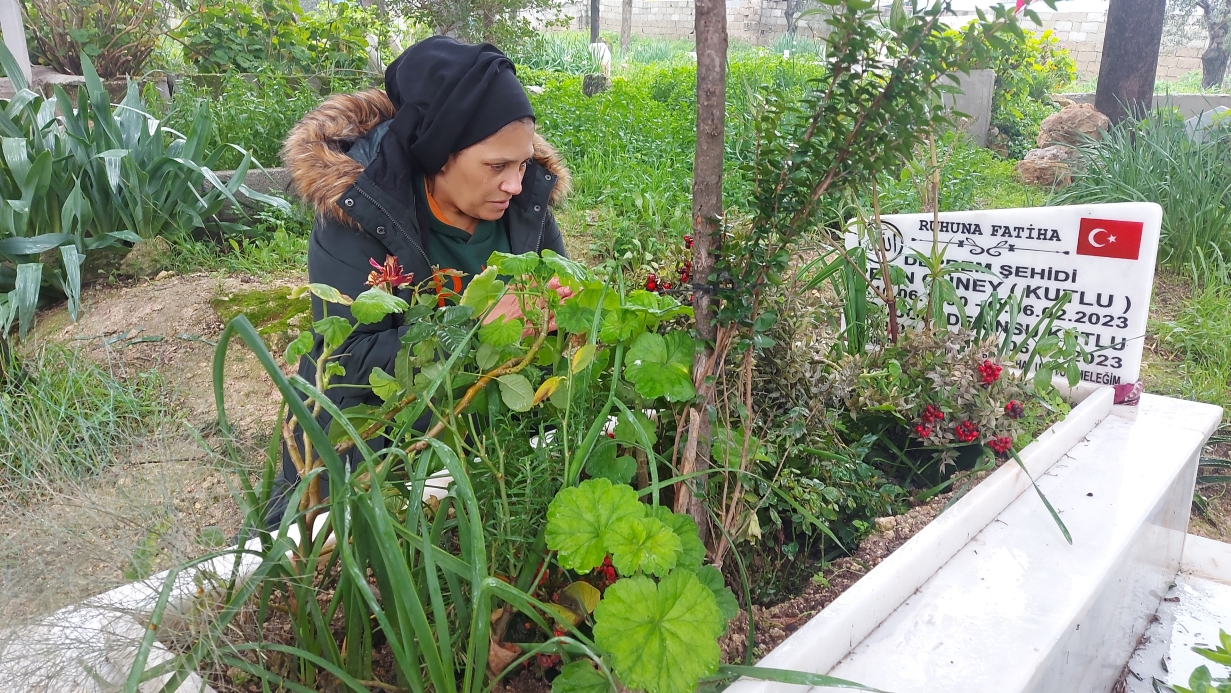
{"x":448,"y":95}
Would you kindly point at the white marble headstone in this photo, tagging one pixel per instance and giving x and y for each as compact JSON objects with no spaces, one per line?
{"x":1103,"y":254}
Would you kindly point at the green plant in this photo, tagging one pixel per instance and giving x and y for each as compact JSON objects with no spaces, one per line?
{"x":1157,"y":160}
{"x":64,"y":417}
{"x":1199,"y":335}
{"x":1201,"y":680}
{"x":505,"y":23}
{"x":92,"y":177}
{"x":1028,"y":68}
{"x":277,"y":244}
{"x":249,"y":36}
{"x":117,"y":35}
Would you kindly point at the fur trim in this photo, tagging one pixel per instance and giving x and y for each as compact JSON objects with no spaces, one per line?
{"x":321,"y":171}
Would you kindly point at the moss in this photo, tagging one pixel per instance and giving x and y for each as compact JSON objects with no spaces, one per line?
{"x":277,"y":317}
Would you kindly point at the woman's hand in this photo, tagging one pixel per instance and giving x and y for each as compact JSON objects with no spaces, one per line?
{"x":510,"y":307}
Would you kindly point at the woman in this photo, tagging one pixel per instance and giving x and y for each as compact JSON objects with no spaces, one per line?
{"x":439,"y":170}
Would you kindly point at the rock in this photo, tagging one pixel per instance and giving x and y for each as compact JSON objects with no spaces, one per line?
{"x":165,"y":274}
{"x":595,"y":84}
{"x":997,"y":141}
{"x":1062,"y":101}
{"x":1072,"y":125}
{"x":1048,"y":166}
{"x":147,"y":258}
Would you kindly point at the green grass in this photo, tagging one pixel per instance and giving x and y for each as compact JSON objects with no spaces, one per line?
{"x":1155,"y":160}
{"x":62,"y":417}
{"x":277,"y":245}
{"x":1200,"y":335}
{"x":972,"y":177}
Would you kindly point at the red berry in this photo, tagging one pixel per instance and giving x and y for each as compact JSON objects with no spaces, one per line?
{"x":1000,"y":445}
{"x":989,"y":371}
{"x":932,"y":414}
{"x":923,"y":430}
{"x":1014,"y":409}
{"x":651,"y":282}
{"x":967,"y":431}
{"x":688,"y":241}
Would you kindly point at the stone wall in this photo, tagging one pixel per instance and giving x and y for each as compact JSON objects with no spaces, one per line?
{"x":759,"y":22}
{"x":1079,"y":27}
{"x":1082,"y":33}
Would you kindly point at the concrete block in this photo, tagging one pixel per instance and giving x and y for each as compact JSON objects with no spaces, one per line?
{"x":975,"y":101}
{"x":1077,"y":36}
{"x":1064,"y":26}
{"x":1091,"y":27}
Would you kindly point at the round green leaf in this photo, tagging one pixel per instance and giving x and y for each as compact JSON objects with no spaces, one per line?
{"x":661,"y":366}
{"x":711,"y":577}
{"x":298,"y":348}
{"x":692,"y":550}
{"x":482,"y":291}
{"x":580,"y":518}
{"x":516,"y":391}
{"x":661,"y":638}
{"x":643,"y":544}
{"x":514,"y":265}
{"x":502,"y":332}
{"x":580,"y":677}
{"x":374,"y":305}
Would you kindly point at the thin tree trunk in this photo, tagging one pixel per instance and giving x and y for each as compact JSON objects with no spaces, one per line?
{"x":626,"y":25}
{"x":1130,"y":58}
{"x":707,"y":214}
{"x":594,"y":21}
{"x":1214,"y":59}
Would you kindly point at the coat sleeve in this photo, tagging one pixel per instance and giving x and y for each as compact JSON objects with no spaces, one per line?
{"x":338,"y":256}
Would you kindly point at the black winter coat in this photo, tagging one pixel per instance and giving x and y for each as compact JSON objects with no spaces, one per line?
{"x":357,"y":221}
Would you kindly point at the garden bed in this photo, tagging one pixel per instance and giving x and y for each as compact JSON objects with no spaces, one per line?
{"x":861,"y":590}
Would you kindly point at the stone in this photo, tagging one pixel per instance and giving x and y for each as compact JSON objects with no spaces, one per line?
{"x":147,"y":258}
{"x":1048,"y":166}
{"x":997,"y":141}
{"x":1072,"y":125}
{"x":595,"y":84}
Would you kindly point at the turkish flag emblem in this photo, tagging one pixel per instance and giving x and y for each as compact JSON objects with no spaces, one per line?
{"x":1110,"y":238}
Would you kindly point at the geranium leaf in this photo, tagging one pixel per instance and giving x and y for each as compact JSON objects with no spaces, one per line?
{"x":383,"y":385}
{"x":661,"y":366}
{"x":483,"y":289}
{"x":711,"y":577}
{"x":692,"y":550}
{"x":580,"y":518}
{"x":516,"y":392}
{"x":298,"y":348}
{"x":644,"y":544}
{"x":626,"y":430}
{"x":661,"y":638}
{"x":584,"y":595}
{"x":549,"y":386}
{"x":333,"y":329}
{"x":328,"y":294}
{"x":373,"y":305}
{"x":582,"y":358}
{"x":514,"y":265}
{"x":580,"y":677}
{"x":502,"y":332}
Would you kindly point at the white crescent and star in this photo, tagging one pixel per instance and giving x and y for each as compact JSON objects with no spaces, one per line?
{"x":1096,"y":244}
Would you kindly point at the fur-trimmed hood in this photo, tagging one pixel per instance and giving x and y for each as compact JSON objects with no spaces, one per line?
{"x":321,"y":170}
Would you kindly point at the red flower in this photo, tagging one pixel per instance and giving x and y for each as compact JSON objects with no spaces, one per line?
{"x":989,"y":371}
{"x":923,"y":430}
{"x":1000,"y":445}
{"x":967,"y":431}
{"x":651,"y":282}
{"x":548,"y":661}
{"x":389,"y":276}
{"x":1014,"y":409}
{"x":932,"y":414}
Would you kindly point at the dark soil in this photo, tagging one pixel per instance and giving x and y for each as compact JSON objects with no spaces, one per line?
{"x":776,"y":623}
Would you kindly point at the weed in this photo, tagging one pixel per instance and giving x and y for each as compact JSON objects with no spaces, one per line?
{"x":278,"y":244}
{"x":67,"y":417}
{"x":1157,"y":160}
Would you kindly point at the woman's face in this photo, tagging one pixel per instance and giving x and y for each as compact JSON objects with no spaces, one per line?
{"x":480,"y":180}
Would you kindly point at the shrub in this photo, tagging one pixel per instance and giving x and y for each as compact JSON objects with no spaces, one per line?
{"x":1028,"y":68}
{"x":1157,"y":160}
{"x":94,"y":177}
{"x":63,"y":417}
{"x":250,"y":36}
{"x":117,"y":35}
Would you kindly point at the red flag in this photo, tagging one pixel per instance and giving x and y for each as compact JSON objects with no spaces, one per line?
{"x":1110,"y":238}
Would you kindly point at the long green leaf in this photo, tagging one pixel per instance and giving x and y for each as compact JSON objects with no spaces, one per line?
{"x":29,"y":279}
{"x":798,"y":678}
